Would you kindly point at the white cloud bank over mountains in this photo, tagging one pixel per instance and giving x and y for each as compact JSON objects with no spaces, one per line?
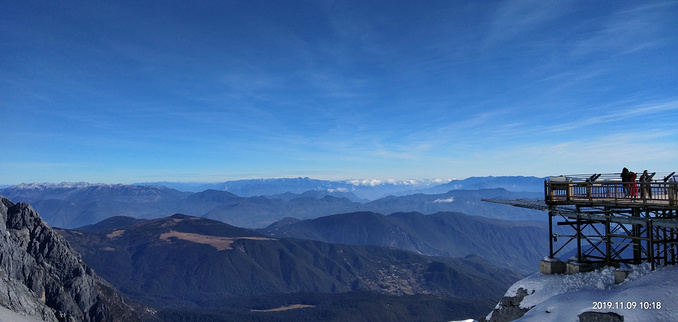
{"x":406,"y":182}
{"x":448,"y":200}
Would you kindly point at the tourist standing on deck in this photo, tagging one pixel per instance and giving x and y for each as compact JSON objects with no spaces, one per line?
{"x":625,"y":180}
{"x":633,"y":187}
{"x":645,"y":180}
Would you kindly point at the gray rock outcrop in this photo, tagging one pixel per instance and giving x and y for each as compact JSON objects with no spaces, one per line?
{"x":600,"y":317}
{"x":509,"y":308}
{"x":42,"y":277}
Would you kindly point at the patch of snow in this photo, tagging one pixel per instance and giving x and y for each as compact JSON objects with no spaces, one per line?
{"x":448,"y":200}
{"x":9,"y":315}
{"x":645,"y":295}
{"x":551,"y":259}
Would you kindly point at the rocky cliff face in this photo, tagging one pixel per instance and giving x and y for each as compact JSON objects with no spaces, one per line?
{"x":509,"y":308}
{"x":42,"y":277}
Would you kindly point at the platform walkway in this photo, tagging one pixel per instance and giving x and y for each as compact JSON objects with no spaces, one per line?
{"x":565,"y":191}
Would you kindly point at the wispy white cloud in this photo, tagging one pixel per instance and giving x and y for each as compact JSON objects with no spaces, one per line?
{"x":633,"y":114}
{"x":653,"y":149}
{"x":372,"y":87}
{"x":447,"y":200}
{"x":34,"y":165}
{"x":519,"y":17}
{"x":627,"y":31}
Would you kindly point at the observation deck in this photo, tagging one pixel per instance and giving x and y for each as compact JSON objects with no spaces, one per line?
{"x":599,"y":220}
{"x":574,"y":190}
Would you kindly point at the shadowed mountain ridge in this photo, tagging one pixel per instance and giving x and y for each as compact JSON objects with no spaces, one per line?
{"x":513,"y":244}
{"x":184,"y":260}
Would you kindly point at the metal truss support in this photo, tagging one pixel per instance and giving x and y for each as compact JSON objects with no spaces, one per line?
{"x":608,"y":234}
{"x":615,"y":236}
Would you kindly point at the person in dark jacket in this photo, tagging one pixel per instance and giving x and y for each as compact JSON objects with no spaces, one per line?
{"x":645,"y":180}
{"x":625,"y":180}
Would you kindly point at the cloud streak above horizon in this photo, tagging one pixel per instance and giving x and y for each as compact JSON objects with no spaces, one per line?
{"x":111,"y":92}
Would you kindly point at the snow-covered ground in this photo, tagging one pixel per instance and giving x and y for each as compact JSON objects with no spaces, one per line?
{"x":6,"y":315}
{"x":645,"y":295}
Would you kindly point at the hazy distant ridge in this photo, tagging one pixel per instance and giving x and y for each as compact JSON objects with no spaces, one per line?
{"x":517,"y":245}
{"x":363,"y":188}
{"x":70,"y":206}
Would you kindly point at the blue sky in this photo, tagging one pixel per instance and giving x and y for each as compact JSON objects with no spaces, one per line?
{"x":129,"y":91}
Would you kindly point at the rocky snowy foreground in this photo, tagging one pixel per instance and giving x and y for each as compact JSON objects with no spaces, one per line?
{"x":645,"y":295}
{"x":8,"y":315}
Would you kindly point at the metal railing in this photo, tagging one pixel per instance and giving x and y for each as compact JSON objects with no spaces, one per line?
{"x":563,"y":190}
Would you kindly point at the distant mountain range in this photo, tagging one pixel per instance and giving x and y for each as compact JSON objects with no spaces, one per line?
{"x":71,"y":205}
{"x":369,"y":189}
{"x":516,"y":245}
{"x":510,"y":183}
{"x":466,"y":201}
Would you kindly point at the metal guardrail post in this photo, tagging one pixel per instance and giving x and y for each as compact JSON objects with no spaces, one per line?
{"x":672,"y":192}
